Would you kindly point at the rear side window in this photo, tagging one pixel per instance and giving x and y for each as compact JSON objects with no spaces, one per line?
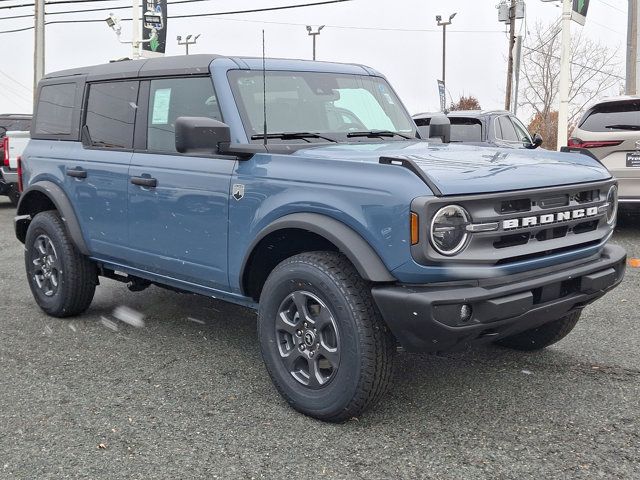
{"x":612,"y":117}
{"x":55,"y":109}
{"x":173,"y":98}
{"x":111,"y":114}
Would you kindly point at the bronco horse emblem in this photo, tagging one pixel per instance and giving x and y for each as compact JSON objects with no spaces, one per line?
{"x":238,"y":191}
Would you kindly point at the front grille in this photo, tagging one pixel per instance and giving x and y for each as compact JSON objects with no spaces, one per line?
{"x":531,"y":224}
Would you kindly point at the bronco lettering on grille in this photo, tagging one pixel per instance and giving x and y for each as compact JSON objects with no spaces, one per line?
{"x":549,"y":218}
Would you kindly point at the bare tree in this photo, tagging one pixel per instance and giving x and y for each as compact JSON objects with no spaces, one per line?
{"x":594,"y":72}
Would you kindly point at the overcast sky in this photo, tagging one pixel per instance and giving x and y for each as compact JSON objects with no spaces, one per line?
{"x":399,"y":38}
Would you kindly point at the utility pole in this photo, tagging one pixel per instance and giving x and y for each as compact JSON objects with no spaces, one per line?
{"x":136,"y":30}
{"x":188,"y":41}
{"x":38,"y":54}
{"x":632,"y":47}
{"x":314,"y":34}
{"x":444,"y":44}
{"x":512,"y":41}
{"x":565,"y":59}
{"x":518,"y":55}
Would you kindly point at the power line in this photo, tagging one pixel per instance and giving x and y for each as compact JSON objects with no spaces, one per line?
{"x":347,"y":27}
{"x":284,"y":7}
{"x":576,"y":63}
{"x":615,"y":8}
{"x":17,"y":82}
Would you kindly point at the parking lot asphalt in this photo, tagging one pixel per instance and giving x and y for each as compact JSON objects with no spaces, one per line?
{"x":187,"y":396}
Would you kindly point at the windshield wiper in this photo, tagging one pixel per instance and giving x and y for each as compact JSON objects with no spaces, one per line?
{"x":377,"y":133}
{"x":293,"y":136}
{"x":623,"y":127}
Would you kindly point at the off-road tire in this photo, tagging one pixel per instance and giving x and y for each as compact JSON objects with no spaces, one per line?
{"x":77,"y":277}
{"x":366,"y":346}
{"x":543,"y":336}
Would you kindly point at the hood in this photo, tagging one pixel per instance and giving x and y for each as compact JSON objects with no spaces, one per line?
{"x":462,"y":169}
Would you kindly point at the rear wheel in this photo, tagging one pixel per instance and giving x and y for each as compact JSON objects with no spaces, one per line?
{"x":14,"y":195}
{"x":62,"y":280}
{"x":543,"y":336}
{"x":323,"y":341}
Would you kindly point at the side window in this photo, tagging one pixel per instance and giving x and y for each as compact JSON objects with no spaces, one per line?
{"x":55,"y":109}
{"x":521,"y":131}
{"x":508,"y":131}
{"x":111,"y":114}
{"x":173,"y":98}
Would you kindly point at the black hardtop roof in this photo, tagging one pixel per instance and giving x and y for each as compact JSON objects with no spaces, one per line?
{"x":165,"y":66}
{"x":181,"y":64}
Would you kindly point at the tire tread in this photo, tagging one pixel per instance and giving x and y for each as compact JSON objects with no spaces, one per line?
{"x":377,"y":343}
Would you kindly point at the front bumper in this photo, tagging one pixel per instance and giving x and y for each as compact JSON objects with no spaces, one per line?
{"x":427,"y":317}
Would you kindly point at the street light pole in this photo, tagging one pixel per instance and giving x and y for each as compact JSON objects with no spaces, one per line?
{"x":188,"y":41}
{"x":444,"y":42}
{"x":314,"y":34}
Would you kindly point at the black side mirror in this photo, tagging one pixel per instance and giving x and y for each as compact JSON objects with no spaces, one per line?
{"x":537,"y":141}
{"x":200,"y":135}
{"x":440,"y":128}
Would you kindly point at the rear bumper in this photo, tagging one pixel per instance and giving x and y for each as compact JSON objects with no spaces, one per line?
{"x":9,"y":176}
{"x":427,"y":317}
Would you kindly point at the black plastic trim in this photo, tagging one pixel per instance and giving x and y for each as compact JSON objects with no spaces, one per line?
{"x":62,"y":204}
{"x":411,"y":165}
{"x":348,"y":241}
{"x":422,"y":316}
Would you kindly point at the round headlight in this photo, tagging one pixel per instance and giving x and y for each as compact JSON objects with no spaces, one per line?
{"x":449,"y":229}
{"x":612,"y":204}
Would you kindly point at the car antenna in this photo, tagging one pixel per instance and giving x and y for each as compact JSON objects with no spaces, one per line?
{"x":264,"y":91}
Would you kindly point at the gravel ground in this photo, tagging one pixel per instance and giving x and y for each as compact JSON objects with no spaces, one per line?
{"x":187,"y":396}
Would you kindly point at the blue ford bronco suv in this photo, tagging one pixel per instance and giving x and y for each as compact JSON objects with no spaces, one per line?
{"x":302,"y":190}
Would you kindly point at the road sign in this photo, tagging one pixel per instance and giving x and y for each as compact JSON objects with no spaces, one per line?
{"x":443,"y":95}
{"x":579,"y":11}
{"x":154,"y":27}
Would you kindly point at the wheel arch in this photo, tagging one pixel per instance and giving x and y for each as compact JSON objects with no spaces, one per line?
{"x":43,"y":196}
{"x":316,"y":232}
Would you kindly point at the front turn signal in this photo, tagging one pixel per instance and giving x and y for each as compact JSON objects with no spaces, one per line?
{"x":415,"y":228}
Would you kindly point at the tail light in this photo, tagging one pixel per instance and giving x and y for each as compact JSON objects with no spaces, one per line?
{"x":5,"y":148}
{"x":577,"y":143}
{"x":20,"y":174}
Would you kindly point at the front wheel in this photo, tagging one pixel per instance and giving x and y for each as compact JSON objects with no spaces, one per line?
{"x":62,"y":280}
{"x":542,"y":336}
{"x":323,"y":341}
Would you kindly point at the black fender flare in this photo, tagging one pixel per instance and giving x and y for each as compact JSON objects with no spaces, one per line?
{"x":62,"y":203}
{"x":364,"y":258}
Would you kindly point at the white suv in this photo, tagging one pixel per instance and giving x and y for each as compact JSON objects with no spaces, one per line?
{"x":610,"y":131}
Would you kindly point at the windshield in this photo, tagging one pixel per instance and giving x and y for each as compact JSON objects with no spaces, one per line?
{"x":330,"y":104}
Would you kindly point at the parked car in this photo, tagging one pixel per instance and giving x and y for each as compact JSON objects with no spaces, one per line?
{"x":609,"y":130}
{"x":14,"y":135}
{"x":313,"y":203}
{"x":497,"y":128}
